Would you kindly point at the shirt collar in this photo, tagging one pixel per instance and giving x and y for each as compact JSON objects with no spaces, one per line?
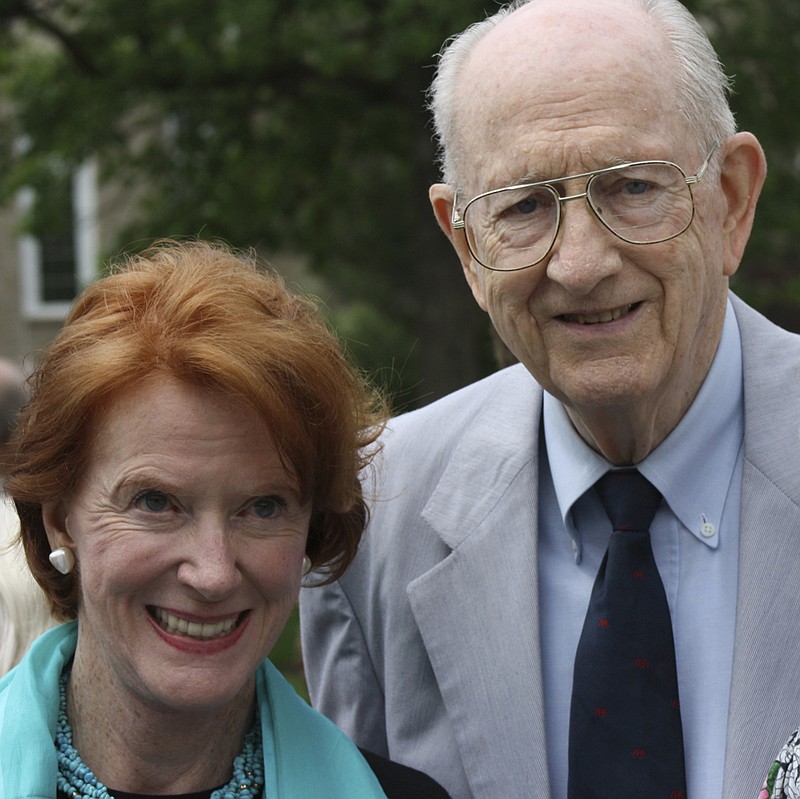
{"x":692,"y":468}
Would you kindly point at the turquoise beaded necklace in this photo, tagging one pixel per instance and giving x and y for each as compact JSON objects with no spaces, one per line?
{"x":76,"y":780}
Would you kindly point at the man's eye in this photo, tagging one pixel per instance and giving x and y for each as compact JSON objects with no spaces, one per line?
{"x":268,"y":507}
{"x":527,"y":206}
{"x":153,"y":501}
{"x":636,"y":187}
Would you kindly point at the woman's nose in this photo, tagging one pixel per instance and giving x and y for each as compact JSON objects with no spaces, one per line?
{"x":209,"y":563}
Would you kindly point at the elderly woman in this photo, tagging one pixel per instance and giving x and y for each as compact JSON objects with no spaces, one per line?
{"x":192,"y":446}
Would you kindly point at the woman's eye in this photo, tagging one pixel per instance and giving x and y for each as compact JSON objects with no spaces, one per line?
{"x":152,"y":501}
{"x":268,"y":507}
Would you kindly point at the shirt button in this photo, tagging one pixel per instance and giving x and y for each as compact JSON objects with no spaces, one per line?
{"x":708,"y":530}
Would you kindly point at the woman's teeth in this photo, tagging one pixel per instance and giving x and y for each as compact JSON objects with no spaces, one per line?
{"x":207,"y":630}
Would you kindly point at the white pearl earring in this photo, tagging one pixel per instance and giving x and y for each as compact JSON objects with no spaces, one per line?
{"x":306,"y":565}
{"x":63,"y":560}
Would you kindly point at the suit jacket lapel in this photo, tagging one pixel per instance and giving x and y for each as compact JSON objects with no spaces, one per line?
{"x":477,"y":610}
{"x":765,"y":689}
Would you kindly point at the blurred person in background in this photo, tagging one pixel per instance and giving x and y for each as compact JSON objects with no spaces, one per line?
{"x":23,"y":607}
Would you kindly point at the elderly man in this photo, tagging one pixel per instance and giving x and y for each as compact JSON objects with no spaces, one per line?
{"x":599,"y":198}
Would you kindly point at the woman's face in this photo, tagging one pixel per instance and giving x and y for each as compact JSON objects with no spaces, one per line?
{"x":189,"y":536}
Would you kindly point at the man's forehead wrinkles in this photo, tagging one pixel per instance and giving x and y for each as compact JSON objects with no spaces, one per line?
{"x":543,"y":162}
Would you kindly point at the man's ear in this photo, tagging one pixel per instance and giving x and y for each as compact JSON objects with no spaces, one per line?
{"x":742,"y":175}
{"x":54,"y":518}
{"x":442,"y":197}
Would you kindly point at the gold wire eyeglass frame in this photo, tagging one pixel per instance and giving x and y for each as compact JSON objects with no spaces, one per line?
{"x":458,"y":220}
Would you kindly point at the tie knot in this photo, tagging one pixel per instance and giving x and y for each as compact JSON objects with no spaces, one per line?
{"x":629,"y":498}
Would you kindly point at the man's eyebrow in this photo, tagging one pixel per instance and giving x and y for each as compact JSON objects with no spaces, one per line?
{"x":532,"y":177}
{"x":529,"y":177}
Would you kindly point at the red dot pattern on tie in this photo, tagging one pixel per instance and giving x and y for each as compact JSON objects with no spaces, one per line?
{"x":626,"y":739}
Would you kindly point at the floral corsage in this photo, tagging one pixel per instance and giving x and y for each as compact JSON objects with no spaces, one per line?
{"x":783,"y":779}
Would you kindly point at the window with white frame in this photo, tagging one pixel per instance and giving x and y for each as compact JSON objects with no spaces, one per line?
{"x":60,"y":258}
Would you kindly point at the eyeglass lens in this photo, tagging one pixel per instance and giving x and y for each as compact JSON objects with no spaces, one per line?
{"x":641,"y":203}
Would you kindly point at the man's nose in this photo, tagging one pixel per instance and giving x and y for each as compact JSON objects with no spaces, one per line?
{"x":584,"y":252}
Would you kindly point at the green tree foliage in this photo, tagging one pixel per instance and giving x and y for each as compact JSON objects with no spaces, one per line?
{"x":285,"y":126}
{"x":760,"y":45}
{"x":301,"y":127}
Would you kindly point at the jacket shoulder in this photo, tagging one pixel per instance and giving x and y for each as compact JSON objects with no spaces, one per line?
{"x":438,"y":426}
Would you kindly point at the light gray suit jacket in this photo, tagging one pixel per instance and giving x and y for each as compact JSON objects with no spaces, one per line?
{"x":428,"y":649}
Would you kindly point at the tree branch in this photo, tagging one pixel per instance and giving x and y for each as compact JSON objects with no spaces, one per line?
{"x":72,"y":45}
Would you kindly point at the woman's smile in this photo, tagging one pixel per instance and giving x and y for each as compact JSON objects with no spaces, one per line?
{"x":205,"y":630}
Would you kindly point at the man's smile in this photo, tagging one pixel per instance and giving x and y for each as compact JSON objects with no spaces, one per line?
{"x":608,"y":315}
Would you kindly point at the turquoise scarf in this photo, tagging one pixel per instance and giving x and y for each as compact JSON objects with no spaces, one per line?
{"x":305,"y":755}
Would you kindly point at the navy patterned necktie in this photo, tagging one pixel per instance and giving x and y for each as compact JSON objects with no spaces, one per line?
{"x":625,"y":738}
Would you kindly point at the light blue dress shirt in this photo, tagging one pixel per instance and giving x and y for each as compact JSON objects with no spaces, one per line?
{"x":695,"y":537}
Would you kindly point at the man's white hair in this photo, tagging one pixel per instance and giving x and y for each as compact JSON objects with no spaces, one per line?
{"x":703,"y":87}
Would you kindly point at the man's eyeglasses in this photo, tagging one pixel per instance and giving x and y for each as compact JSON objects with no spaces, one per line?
{"x":645,"y":202}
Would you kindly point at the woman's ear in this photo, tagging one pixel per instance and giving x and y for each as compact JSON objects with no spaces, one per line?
{"x":742,"y":175}
{"x":54,"y":518}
